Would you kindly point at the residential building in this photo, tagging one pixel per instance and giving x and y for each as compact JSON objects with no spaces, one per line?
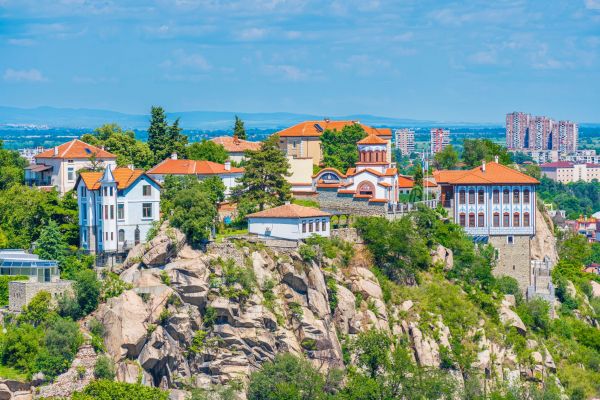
{"x":236,"y":147}
{"x":567,"y":172}
{"x":405,"y":141}
{"x":495,"y":204}
{"x":290,"y":221}
{"x":30,"y":153}
{"x":200,"y":169}
{"x":58,"y":167}
{"x":588,"y":227}
{"x":567,"y":135}
{"x":368,"y":188}
{"x":117,"y":208}
{"x":539,"y":133}
{"x":517,"y":128}
{"x":439,"y":139}
{"x":303,"y":140}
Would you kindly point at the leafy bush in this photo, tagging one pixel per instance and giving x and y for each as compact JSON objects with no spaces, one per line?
{"x":104,"y":368}
{"x":509,"y":285}
{"x":198,"y":342}
{"x":108,"y":390}
{"x":307,"y":252}
{"x":233,"y":276}
{"x":332,"y":293}
{"x":87,"y":294}
{"x":210,"y":317}
{"x":535,"y":314}
{"x":113,"y":286}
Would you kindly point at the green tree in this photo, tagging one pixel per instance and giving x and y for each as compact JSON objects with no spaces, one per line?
{"x":207,"y":150}
{"x":87,"y":293}
{"x":238,"y":128}
{"x":11,"y":167}
{"x":339,"y":147}
{"x":165,"y":139}
{"x":123,"y":144}
{"x":51,"y":244}
{"x":194,"y":212}
{"x":416,"y":194}
{"x":62,"y":341}
{"x":446,"y":159}
{"x":103,"y":389}
{"x":264,"y":181}
{"x":104,"y":368}
{"x":38,"y":310}
{"x":476,"y":150}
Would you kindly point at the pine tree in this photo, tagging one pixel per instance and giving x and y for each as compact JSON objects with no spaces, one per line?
{"x":238,"y":129}
{"x":164,"y":139}
{"x":51,"y":244}
{"x":264,"y":182}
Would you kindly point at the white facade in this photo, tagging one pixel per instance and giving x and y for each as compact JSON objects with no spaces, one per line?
{"x":405,"y":141}
{"x":229,"y":180}
{"x":113,"y":218}
{"x":290,"y":228}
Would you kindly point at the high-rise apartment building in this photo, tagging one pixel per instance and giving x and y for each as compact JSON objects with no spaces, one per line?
{"x":534,"y":133}
{"x":440,"y":138}
{"x":405,"y":141}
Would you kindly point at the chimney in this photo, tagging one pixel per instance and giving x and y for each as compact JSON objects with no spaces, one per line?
{"x":496,"y":159}
{"x":227,"y":165}
{"x":173,"y":156}
{"x":483,"y":166}
{"x":131,"y":167}
{"x":55,"y":150}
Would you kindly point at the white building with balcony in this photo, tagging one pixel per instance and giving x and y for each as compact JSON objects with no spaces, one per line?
{"x":116,"y":209}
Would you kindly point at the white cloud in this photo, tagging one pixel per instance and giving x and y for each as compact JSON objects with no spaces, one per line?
{"x":252,"y":34}
{"x":21,"y":42}
{"x":592,"y":4}
{"x":23,"y":75}
{"x":484,"y":58}
{"x":289,"y":72}
{"x":186,"y":61}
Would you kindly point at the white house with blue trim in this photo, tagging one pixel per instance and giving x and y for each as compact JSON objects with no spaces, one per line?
{"x":116,"y":209}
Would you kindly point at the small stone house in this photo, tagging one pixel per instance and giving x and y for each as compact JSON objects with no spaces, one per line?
{"x":290,"y":221}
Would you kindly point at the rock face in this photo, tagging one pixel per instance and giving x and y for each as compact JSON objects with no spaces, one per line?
{"x":543,"y":243}
{"x":510,"y":318}
{"x":443,"y":256}
{"x":76,"y":378}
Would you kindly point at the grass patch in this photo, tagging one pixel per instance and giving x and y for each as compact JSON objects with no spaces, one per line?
{"x":11,"y":373}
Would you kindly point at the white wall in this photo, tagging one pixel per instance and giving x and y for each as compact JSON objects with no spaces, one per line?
{"x":60,"y":168}
{"x":287,"y":228}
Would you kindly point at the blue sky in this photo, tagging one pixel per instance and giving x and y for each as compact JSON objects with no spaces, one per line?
{"x":455,"y":61}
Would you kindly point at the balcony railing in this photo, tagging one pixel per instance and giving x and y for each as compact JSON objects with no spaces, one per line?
{"x":38,"y":182}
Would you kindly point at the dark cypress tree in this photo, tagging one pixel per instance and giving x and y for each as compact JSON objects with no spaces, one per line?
{"x":238,"y":129}
{"x":158,"y":133}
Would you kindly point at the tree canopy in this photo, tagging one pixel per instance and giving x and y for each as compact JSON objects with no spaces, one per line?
{"x":264,"y":181}
{"x":165,"y":139}
{"x":339,"y":147}
{"x":476,"y":150}
{"x":11,"y":167}
{"x":238,"y":128}
{"x":207,"y":150}
{"x":446,"y":159}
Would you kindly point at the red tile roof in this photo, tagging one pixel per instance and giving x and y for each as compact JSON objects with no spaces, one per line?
{"x":192,"y":167}
{"x":494,"y":173}
{"x":557,"y":164}
{"x":372,"y":139}
{"x":123,"y":176}
{"x":289,"y":211}
{"x":76,"y":149}
{"x":309,"y":129}
{"x":388,"y":171}
{"x":405,"y":182}
{"x":235,"y":145}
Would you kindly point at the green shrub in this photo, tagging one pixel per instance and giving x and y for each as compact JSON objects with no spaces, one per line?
{"x":309,"y":344}
{"x":296,"y":310}
{"x":108,"y":390}
{"x":210,"y":317}
{"x":509,"y":285}
{"x":307,"y":252}
{"x":113,"y":286}
{"x":535,"y":314}
{"x":164,"y":278}
{"x":198,"y":342}
{"x":332,"y":293}
{"x":104,"y":368}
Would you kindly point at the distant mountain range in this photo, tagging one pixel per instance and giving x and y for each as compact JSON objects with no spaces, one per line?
{"x":205,"y":120}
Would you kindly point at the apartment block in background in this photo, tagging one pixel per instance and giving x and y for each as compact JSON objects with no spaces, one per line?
{"x":405,"y":141}
{"x":440,"y":138}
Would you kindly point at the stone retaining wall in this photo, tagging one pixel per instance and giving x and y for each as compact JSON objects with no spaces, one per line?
{"x":20,"y":293}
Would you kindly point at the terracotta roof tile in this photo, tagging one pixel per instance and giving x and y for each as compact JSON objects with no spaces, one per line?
{"x":123,"y":176}
{"x":191,"y":167}
{"x":372,"y":139}
{"x":289,"y":211}
{"x":76,"y":149}
{"x":494,"y":173}
{"x":309,"y":129}
{"x":557,"y":164}
{"x":235,"y":145}
{"x":405,"y":182}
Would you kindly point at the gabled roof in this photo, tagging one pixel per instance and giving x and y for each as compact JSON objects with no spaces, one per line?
{"x":123,"y":176}
{"x":76,"y":149}
{"x":494,"y":174}
{"x":329,"y":169}
{"x":311,"y":128}
{"x":405,"y":182}
{"x":289,"y":211}
{"x":372,"y":139}
{"x":235,"y":145}
{"x":192,"y":167}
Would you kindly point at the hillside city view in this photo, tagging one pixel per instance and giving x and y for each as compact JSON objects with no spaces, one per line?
{"x":292,"y":199}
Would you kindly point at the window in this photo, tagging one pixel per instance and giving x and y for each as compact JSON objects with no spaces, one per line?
{"x":461,"y":219}
{"x":516,"y":220}
{"x":71,"y":174}
{"x":146,"y":190}
{"x":471,"y":196}
{"x":481,"y":219}
{"x":366,"y":189}
{"x":105,"y":211}
{"x":317,"y":226}
{"x":481,"y":197}
{"x":100,"y":235}
{"x":106,"y":235}
{"x":506,"y":219}
{"x":84,"y":236}
{"x":136,"y":234}
{"x":324,"y":225}
{"x":496,"y":219}
{"x":461,"y":197}
{"x":121,"y":235}
{"x":111,"y":191}
{"x":70,"y":161}
{"x":471,"y":219}
{"x":505,"y":195}
{"x":516,"y":196}
{"x":112,"y":237}
{"x":526,"y":219}
{"x":496,"y":196}
{"x":146,"y":210}
{"x":83,"y":191}
{"x":310,"y":226}
{"x":99,"y":211}
{"x":84,"y":212}
{"x":112,"y":212}
{"x":303,"y":226}
{"x":510,"y":240}
{"x":121,"y":211}
{"x":526,"y":196}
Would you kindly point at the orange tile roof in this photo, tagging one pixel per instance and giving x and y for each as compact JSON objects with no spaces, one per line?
{"x":378,"y":201}
{"x":123,"y":176}
{"x":235,"y":145}
{"x":388,"y":172}
{"x":289,"y":211}
{"x":308,"y":128}
{"x":372,"y":139}
{"x":76,"y":149}
{"x":384,"y":184}
{"x":405,"y":182}
{"x":191,"y":167}
{"x":494,"y":174}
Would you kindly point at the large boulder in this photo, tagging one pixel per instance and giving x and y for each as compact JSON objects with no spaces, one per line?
{"x":125,"y":320}
{"x":345,"y":310}
{"x":127,"y":372}
{"x":595,"y":288}
{"x":443,"y":256}
{"x":511,"y":318}
{"x":164,"y":246}
{"x":425,"y":348}
{"x":295,"y":279}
